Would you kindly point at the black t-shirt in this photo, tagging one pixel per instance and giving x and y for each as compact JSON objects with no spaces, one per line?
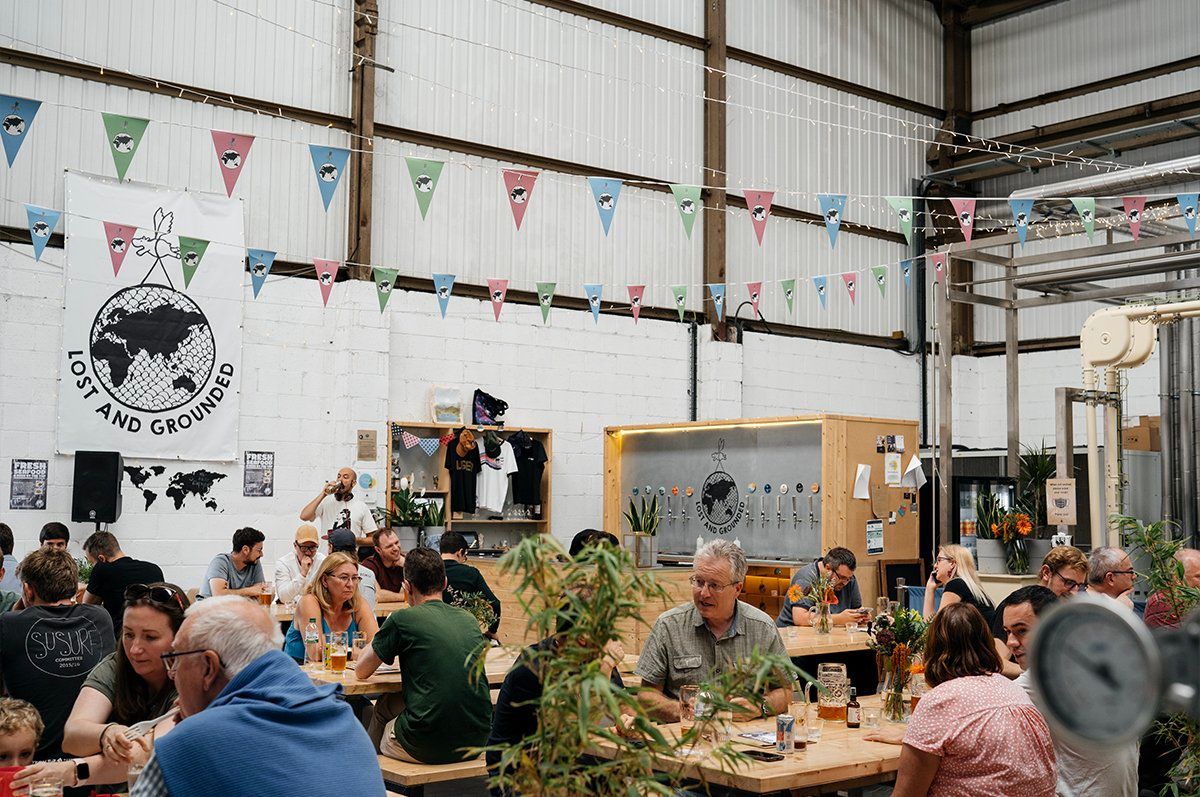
{"x":463,"y":579}
{"x":46,"y":653}
{"x":109,"y":580}
{"x":959,"y":587}
{"x":531,"y":462}
{"x":463,"y":471}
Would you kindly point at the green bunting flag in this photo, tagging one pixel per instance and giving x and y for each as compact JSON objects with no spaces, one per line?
{"x":680,"y":292}
{"x":789,"y":292}
{"x":687,"y":200}
{"x":545,"y":294}
{"x":124,"y":135}
{"x":1085,"y":206}
{"x":191,"y":252}
{"x":880,"y":275}
{"x":385,"y":280}
{"x":425,"y":175}
{"x":903,"y":205}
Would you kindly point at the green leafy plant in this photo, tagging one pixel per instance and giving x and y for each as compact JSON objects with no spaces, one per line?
{"x":406,"y":510}
{"x":643,"y":519}
{"x":477,"y":605}
{"x":599,"y":592}
{"x":987,"y":514}
{"x":85,"y":569}
{"x":433,"y":514}
{"x":1036,"y":466}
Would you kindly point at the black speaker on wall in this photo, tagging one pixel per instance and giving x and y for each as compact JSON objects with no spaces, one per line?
{"x":96,"y":491}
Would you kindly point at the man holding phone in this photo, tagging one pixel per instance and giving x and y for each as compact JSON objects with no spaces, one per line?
{"x":336,"y":507}
{"x":840,"y":564}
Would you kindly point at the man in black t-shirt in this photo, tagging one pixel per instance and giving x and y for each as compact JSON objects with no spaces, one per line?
{"x":462,"y":579}
{"x":112,"y":572}
{"x":48,"y":649}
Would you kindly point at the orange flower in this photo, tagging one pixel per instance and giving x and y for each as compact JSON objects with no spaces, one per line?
{"x":917,"y":668}
{"x":995,"y":528}
{"x":830,"y":596}
{"x":795,"y":593}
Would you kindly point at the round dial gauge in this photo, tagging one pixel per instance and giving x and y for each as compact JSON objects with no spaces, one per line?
{"x":1097,"y":673}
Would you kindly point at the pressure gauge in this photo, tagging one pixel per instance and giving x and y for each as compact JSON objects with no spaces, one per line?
{"x":1097,"y":671}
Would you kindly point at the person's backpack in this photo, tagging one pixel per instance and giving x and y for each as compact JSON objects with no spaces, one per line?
{"x":488,"y":409}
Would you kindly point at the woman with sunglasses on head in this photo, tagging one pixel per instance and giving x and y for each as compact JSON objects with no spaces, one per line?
{"x":333,"y":598}
{"x":954,"y":572}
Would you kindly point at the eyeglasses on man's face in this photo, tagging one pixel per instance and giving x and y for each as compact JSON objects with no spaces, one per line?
{"x":308,"y":547}
{"x":171,"y":660}
{"x":1071,"y":584}
{"x":701,"y":584}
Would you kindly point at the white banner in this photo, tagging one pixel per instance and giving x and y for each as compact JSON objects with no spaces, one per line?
{"x":150,"y":368}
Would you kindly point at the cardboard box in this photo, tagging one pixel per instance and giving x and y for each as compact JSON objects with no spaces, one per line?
{"x":1142,"y":438}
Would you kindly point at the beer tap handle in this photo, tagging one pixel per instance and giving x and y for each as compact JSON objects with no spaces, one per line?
{"x":778,"y":510}
{"x":795,"y":514}
{"x":670,"y":512}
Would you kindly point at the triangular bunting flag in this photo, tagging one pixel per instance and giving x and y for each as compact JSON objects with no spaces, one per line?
{"x":519,"y":185}
{"x":1134,"y":205}
{"x":850,"y":278}
{"x":717,"y":292}
{"x":1085,"y":206}
{"x":832,"y":208}
{"x":497,"y":290}
{"x":42,"y":222}
{"x":903,"y":205}
{"x":1187,"y":208}
{"x":939,"y":265}
{"x":425,"y":175}
{"x":753,"y":290}
{"x":606,"y":191}
{"x":409,"y":439}
{"x":759,"y":205}
{"x":18,"y":115}
{"x":1022,"y":212}
{"x":964,"y":210}
{"x":430,"y":445}
{"x":593,"y":294}
{"x":443,"y":286}
{"x":124,"y":136}
{"x":680,"y":292}
{"x":328,"y":165}
{"x":880,"y":274}
{"x":821,"y":284}
{"x":326,"y":273}
{"x":232,"y":151}
{"x":687,"y":200}
{"x":118,"y":237}
{"x":191,"y":252}
{"x":635,"y":300}
{"x":261,"y":261}
{"x":545,"y":291}
{"x":385,"y":280}
{"x":906,"y":270}
{"x":788,"y":287}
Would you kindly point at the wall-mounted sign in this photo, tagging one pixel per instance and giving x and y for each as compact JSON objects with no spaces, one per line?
{"x":258,"y":474}
{"x":368,"y":445}
{"x":27,"y":489}
{"x":1060,"y":502}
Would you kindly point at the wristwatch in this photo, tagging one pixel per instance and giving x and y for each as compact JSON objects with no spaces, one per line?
{"x":82,"y":770}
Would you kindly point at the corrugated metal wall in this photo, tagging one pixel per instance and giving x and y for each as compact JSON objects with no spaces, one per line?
{"x":890,"y":45}
{"x":686,"y":16}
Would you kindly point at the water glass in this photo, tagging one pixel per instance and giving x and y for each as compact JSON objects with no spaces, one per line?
{"x":815,"y":726}
{"x":851,"y":629}
{"x":360,"y":644}
{"x":881,"y":605}
{"x":870,"y":716}
{"x":48,"y":787}
{"x":133,"y":773}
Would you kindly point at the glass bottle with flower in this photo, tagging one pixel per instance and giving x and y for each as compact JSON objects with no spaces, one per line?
{"x":898,"y":639}
{"x":823,"y":597}
{"x":1012,"y":529}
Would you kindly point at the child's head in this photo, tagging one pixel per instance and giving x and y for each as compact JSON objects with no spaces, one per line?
{"x":20,"y":730}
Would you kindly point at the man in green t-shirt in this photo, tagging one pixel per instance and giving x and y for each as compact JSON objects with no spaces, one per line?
{"x":443,"y":709}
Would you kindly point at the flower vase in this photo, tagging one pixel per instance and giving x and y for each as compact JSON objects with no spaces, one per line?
{"x":1017,"y":556}
{"x":824,"y":620}
{"x":892,"y":684}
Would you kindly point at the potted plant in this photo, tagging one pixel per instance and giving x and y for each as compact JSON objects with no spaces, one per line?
{"x":989,"y":551}
{"x":642,"y":541}
{"x":1037,"y":465}
{"x":433,"y":521}
{"x":407,"y":514}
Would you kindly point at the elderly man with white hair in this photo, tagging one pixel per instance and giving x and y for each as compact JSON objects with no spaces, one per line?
{"x":1111,"y":573}
{"x":249,"y":716}
{"x":697,"y":640}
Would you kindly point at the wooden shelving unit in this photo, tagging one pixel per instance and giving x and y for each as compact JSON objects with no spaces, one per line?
{"x":414,"y":460}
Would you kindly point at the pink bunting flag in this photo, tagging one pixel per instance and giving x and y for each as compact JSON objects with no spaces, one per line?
{"x":754,"y":289}
{"x":939,"y":265}
{"x":759,"y":205}
{"x":635,"y":300}
{"x":851,"y":280}
{"x":119,"y":238}
{"x":519,"y":184}
{"x":327,"y":271}
{"x":964,"y":209}
{"x":1134,"y":205}
{"x":232,"y":151}
{"x":409,"y":439}
{"x":497,"y":289}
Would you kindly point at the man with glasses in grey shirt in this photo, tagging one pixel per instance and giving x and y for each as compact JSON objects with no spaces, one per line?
{"x":695,"y":641}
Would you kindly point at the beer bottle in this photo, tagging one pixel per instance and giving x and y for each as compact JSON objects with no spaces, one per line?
{"x":853,"y":710}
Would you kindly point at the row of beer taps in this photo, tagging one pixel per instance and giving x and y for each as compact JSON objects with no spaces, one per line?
{"x":670,"y":515}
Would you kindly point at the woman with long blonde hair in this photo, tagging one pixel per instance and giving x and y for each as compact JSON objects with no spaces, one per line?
{"x":333,"y":598}
{"x":954,"y":572}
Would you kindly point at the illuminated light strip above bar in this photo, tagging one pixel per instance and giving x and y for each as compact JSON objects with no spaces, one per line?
{"x":717,"y":425}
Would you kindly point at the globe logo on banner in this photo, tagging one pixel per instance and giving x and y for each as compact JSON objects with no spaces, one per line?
{"x":759,"y":213}
{"x":41,"y":229}
{"x":606,"y":201}
{"x":118,"y":244}
{"x":259,"y":269}
{"x":328,"y":172}
{"x":904,"y":214}
{"x":231,"y":159}
{"x":687,"y":206}
{"x":720,"y":506}
{"x":123,"y":142}
{"x":518,"y":195}
{"x":152,"y":348}
{"x":832,"y":216}
{"x":14,"y":125}
{"x":424,"y":183}
{"x":384,"y":286}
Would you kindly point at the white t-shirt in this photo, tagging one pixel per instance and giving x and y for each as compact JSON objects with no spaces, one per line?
{"x":491,"y":485}
{"x":1102,"y":772}
{"x":353,"y":514}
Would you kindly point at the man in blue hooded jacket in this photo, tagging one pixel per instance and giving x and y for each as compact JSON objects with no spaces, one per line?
{"x":248,"y":714}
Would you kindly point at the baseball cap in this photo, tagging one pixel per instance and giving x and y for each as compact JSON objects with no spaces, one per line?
{"x":342,"y":540}
{"x":307,"y":533}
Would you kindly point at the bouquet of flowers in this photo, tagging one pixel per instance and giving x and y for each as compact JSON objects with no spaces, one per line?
{"x":1012,"y":528}
{"x":823,"y":596}
{"x":897,"y":639}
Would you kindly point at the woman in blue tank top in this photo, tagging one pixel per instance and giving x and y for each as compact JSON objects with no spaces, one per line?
{"x":333,"y":598}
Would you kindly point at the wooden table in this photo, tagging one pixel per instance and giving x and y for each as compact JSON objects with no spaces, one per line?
{"x":499,"y":662}
{"x":805,"y":641}
{"x":841,"y":760}
{"x":284,"y":612}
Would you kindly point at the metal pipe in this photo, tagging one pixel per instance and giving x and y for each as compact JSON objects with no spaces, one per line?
{"x":1112,"y":456}
{"x":1166,"y":411}
{"x":1095,"y":508}
{"x":1188,"y":443}
{"x":922,"y":322}
{"x":1187,"y":431}
{"x":1114,"y":182}
{"x":693,"y":375}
